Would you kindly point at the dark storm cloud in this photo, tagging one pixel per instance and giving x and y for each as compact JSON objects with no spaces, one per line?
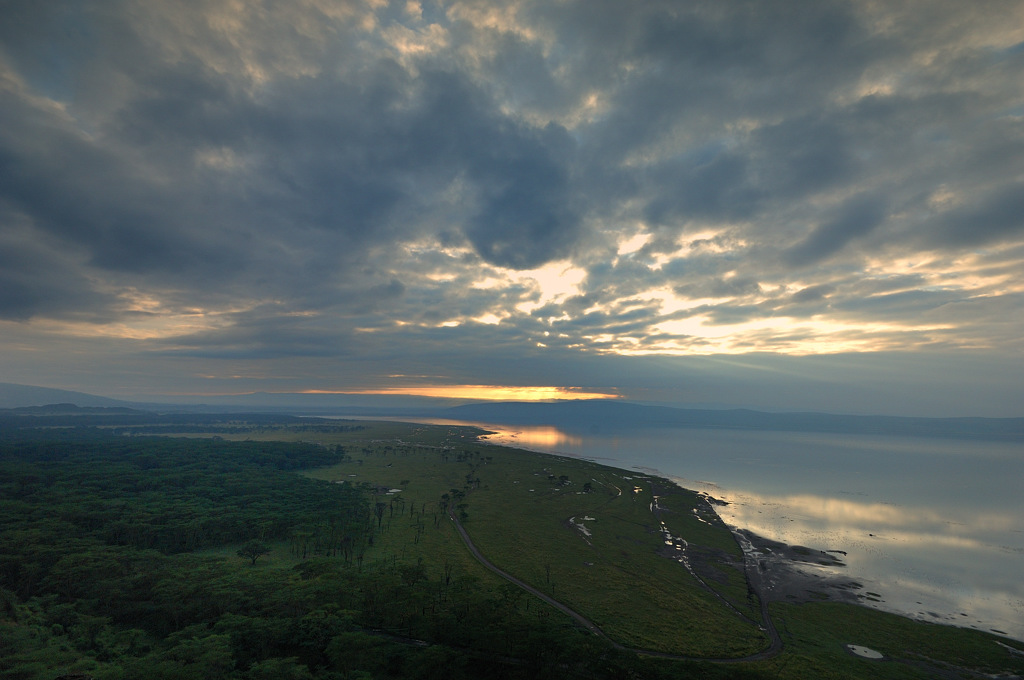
{"x":86,"y":197}
{"x":803,"y":155}
{"x":267,"y":338}
{"x":995,"y":217}
{"x":695,"y":61}
{"x":346,"y":160}
{"x":371,"y":153}
{"x":717,"y":189}
{"x":35,"y":281}
{"x":857,"y":217}
{"x":779,"y":163}
{"x":317,"y":170}
{"x":718,"y":287}
{"x":812,"y":294}
{"x":913,"y":304}
{"x":355,"y":181}
{"x":275,"y":330}
{"x":528,"y":214}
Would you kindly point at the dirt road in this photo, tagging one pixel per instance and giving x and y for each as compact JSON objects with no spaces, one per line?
{"x":753,"y":576}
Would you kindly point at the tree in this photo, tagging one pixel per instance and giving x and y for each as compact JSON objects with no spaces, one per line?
{"x":253,"y":550}
{"x":277,"y":669}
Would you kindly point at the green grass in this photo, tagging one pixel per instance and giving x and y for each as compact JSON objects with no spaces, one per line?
{"x":518,"y":512}
{"x":816,"y":634}
{"x":615,"y":576}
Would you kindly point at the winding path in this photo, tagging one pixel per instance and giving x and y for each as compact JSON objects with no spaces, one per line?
{"x":586,"y":623}
{"x":753,"y":576}
{"x":754,"y":579}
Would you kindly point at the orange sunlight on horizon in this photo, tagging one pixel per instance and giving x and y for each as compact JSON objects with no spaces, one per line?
{"x":526,"y":436}
{"x":486,"y":392}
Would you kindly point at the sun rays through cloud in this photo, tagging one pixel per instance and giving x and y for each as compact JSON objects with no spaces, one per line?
{"x":318,"y":190}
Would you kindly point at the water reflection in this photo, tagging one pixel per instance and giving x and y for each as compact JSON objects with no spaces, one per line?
{"x":920,"y":561}
{"x":543,"y":437}
{"x":935,"y":527}
{"x":879,"y":517}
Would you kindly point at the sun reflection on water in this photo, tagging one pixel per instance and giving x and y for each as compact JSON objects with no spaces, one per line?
{"x":542,"y":437}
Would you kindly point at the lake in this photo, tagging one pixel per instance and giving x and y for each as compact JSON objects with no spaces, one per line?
{"x":934,"y":526}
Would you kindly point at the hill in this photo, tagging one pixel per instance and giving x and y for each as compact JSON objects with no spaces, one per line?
{"x":15,"y":396}
{"x":597,"y":415}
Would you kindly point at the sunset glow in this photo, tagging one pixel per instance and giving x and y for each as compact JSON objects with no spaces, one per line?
{"x":482,"y":392}
{"x":506,"y":195}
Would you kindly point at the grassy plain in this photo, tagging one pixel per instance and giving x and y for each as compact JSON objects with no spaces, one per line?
{"x":527,"y":513}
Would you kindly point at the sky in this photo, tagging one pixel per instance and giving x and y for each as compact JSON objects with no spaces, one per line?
{"x":790,"y":205}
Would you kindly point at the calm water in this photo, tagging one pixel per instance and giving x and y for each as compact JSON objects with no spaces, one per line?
{"x":936,"y":527}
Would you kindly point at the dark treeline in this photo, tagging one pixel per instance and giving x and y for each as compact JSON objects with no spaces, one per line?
{"x":100,"y":575}
{"x":144,"y":422}
{"x":188,"y":428}
{"x":169,"y":495}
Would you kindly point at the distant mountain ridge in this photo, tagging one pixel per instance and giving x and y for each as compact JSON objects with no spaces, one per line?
{"x":72,"y":410}
{"x":594,"y":415}
{"x":15,"y":396}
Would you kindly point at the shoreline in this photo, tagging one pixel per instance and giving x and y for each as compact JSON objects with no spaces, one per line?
{"x":796,"y":572}
{"x":782,"y":565}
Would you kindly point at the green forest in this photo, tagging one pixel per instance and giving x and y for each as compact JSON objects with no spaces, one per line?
{"x":103,"y":573}
{"x":281,"y":550}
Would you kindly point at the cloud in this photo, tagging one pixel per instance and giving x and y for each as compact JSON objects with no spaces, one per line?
{"x":857,"y":217}
{"x":371,"y":180}
{"x":37,"y":281}
{"x":997,"y":216}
